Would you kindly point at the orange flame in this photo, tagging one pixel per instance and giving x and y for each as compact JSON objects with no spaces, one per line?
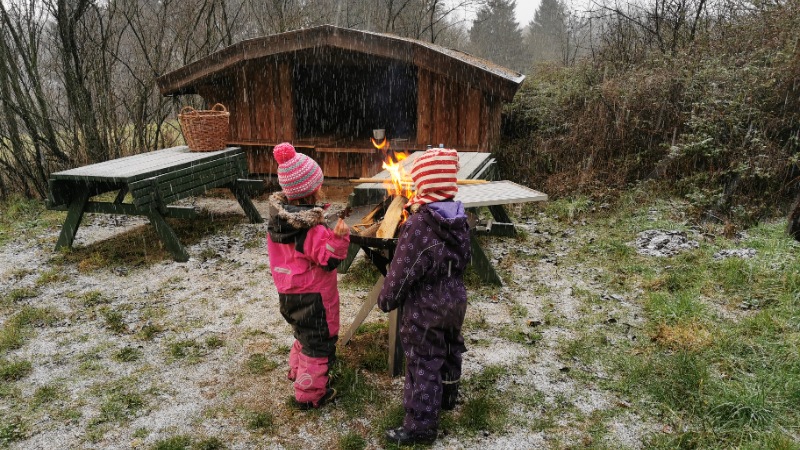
{"x":380,"y":146}
{"x":399,"y":183}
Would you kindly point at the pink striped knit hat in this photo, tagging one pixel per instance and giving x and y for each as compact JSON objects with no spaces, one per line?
{"x":298,"y":175}
{"x":434,"y":175}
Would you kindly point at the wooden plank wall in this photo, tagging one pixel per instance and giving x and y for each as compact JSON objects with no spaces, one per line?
{"x":347,"y":165}
{"x":455,"y":114}
{"x":259,"y":98}
{"x":260,"y":101}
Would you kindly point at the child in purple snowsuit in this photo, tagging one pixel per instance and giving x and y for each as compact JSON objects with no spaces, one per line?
{"x":425,"y":278}
{"x":303,"y":256}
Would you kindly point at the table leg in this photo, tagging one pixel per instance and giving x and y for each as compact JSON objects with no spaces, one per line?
{"x":503,"y":226}
{"x":247,"y":204}
{"x":73,"y":220}
{"x":168,"y":236}
{"x":366,"y":307}
{"x":482,"y":264}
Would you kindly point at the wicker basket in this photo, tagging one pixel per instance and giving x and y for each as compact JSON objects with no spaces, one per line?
{"x":205,"y":130}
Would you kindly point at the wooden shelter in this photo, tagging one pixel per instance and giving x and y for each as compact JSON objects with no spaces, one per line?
{"x":325,"y":89}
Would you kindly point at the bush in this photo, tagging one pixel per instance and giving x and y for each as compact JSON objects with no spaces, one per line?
{"x":716,"y":122}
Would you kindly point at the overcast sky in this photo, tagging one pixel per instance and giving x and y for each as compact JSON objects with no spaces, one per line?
{"x":525,"y":11}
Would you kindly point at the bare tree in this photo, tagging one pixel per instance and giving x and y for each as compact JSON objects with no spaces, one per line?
{"x":68,"y":16}
{"x":665,"y":25}
{"x":28,"y":138}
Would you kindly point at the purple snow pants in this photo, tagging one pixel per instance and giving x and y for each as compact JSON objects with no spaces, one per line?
{"x":433,"y":353}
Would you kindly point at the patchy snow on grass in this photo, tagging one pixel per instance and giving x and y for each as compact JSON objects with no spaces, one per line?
{"x":177,"y":361}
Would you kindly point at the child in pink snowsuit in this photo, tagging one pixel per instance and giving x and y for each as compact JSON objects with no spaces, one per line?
{"x":303,"y":256}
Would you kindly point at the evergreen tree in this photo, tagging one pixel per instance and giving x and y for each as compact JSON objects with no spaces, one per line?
{"x":496,"y":35}
{"x":548,"y":38}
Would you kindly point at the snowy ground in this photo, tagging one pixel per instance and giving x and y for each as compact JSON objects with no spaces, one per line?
{"x":221,"y":307}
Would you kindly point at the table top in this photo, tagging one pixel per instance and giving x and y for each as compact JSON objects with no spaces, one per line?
{"x":469,"y":163}
{"x":497,"y":193}
{"x":474,"y":195}
{"x":143,"y":165}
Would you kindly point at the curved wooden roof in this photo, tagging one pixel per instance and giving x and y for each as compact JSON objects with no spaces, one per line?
{"x":460,"y":66}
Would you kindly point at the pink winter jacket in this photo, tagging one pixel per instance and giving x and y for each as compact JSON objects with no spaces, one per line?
{"x":304,"y":253}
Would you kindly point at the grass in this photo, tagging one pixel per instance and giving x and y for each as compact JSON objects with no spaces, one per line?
{"x":362,"y":274}
{"x":12,"y":429}
{"x":128,"y":354}
{"x":141,"y":246}
{"x":716,"y":364}
{"x":261,"y":421}
{"x":25,"y":217}
{"x":120,"y":400}
{"x":19,"y":327}
{"x":185,"y":442}
{"x":173,"y":443}
{"x":18,"y":294}
{"x":14,"y":370}
{"x":703,"y":351}
{"x":260,"y":364}
{"x":352,"y":441}
{"x":47,"y":394}
{"x":114,"y":320}
{"x":53,"y":275}
{"x":93,"y":298}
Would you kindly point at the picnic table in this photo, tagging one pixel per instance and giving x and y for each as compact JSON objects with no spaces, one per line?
{"x":493,"y":195}
{"x":154,"y":180}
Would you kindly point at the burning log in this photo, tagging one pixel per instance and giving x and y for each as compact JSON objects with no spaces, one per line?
{"x":392,"y":218}
{"x":371,"y":230}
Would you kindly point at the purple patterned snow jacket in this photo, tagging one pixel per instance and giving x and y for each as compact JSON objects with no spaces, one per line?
{"x":432,"y":253}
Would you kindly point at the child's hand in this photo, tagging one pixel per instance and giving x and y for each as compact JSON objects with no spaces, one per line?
{"x":341,"y":228}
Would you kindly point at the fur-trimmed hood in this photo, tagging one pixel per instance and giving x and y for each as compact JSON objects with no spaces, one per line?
{"x":289,"y":223}
{"x":299,"y":217}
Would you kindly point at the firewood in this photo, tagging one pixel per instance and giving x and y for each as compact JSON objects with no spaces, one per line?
{"x":369,"y":219}
{"x":392,"y":218}
{"x":371,"y":230}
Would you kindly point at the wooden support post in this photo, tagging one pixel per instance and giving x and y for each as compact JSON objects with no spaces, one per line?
{"x":121,"y":195}
{"x":499,"y":214}
{"x":396,"y":354}
{"x":73,"y":220}
{"x":168,"y":236}
{"x":366,"y":307}
{"x":247,"y":205}
{"x":482,"y":264}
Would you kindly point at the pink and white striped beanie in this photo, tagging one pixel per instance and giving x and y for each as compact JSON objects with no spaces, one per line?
{"x":298,"y":175}
{"x":434,"y":176}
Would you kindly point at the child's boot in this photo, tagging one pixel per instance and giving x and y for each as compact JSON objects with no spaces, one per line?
{"x":400,"y":436}
{"x":449,"y":394}
{"x":330,"y":394}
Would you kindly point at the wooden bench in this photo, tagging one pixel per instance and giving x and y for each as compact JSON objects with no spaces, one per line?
{"x":154,"y":180}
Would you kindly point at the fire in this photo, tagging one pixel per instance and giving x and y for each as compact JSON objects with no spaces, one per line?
{"x":380,"y":146}
{"x":399,"y":182}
